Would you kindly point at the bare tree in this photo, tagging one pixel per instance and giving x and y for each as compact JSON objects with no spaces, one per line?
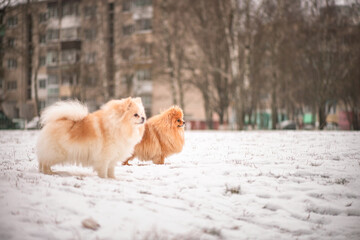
{"x":348,"y":88}
{"x":324,"y":57}
{"x":207,"y":29}
{"x":171,"y":44}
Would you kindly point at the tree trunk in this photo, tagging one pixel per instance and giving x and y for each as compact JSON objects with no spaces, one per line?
{"x":254,"y":123}
{"x":181,"y":95}
{"x":208,"y":111}
{"x":82,"y":87}
{"x":239,"y":109}
{"x":273,"y":109}
{"x":244,"y":83}
{"x":313,"y":113}
{"x":179,"y":80}
{"x":129,"y":84}
{"x":355,"y":120}
{"x":170,"y":66}
{"x":232,"y":39}
{"x":221,"y":114}
{"x":322,"y":117}
{"x":240,"y":115}
{"x":37,"y":107}
{"x":58,"y":47}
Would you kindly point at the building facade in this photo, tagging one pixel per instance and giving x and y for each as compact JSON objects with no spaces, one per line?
{"x":90,"y":50}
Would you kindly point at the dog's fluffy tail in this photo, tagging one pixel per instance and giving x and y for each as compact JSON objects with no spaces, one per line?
{"x":72,"y":110}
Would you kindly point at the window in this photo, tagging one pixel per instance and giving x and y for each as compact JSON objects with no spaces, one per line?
{"x":42,"y":38}
{"x":69,"y":56}
{"x":143,"y":24}
{"x":12,"y":63}
{"x":111,"y":6}
{"x":90,"y":34}
{"x":28,"y":94}
{"x":127,"y":54}
{"x":126,"y":5}
{"x":52,"y":34}
{"x":52,"y":12}
{"x":91,"y":81}
{"x":90,"y":57}
{"x":146,"y":100}
{"x":12,"y":22}
{"x":90,"y":11}
{"x":42,"y":17}
{"x":42,"y":104}
{"x":143,"y":3}
{"x":51,"y":99}
{"x":128,"y":30}
{"x":53,"y":80}
{"x":53,"y":91}
{"x":145,"y":50}
{"x":127,"y":79}
{"x":66,"y":79}
{"x":11,"y":42}
{"x":70,"y":33}
{"x":29,"y":76}
{"x":70,"y":9}
{"x":12,"y":85}
{"x":42,"y":83}
{"x":42,"y":61}
{"x":52,"y":58}
{"x":143,"y":75}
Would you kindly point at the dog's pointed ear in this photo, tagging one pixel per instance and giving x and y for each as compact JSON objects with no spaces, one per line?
{"x":137,"y":100}
{"x":128,"y":102}
{"x":174,"y":110}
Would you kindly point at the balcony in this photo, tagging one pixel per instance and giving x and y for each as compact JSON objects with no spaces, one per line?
{"x":68,"y":45}
{"x":70,"y":34}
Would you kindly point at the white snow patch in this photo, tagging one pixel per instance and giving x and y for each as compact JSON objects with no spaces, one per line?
{"x":224,"y":185}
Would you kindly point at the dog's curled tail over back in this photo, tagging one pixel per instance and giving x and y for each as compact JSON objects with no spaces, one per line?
{"x":72,"y":110}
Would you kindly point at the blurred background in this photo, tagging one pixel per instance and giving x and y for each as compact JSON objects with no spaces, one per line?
{"x":230,"y":64}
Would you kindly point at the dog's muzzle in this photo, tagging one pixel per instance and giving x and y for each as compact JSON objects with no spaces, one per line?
{"x":183,"y":125}
{"x":142,"y":120}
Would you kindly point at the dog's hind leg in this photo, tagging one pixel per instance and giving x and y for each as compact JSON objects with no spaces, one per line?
{"x":129,"y":159}
{"x":159,"y":160}
{"x":44,"y":168}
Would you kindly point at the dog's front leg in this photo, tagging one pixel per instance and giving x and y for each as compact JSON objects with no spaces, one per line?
{"x":111,"y":170}
{"x":102,"y":169}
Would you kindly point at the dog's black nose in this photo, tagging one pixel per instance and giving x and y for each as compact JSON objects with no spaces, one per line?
{"x":142,"y":118}
{"x":184,"y":122}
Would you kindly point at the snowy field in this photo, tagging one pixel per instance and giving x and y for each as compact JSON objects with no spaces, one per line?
{"x":224,"y":185}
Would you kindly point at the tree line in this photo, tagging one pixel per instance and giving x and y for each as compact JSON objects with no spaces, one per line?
{"x":288,"y":56}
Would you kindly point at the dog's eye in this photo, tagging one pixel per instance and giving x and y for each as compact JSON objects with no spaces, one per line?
{"x":136,"y":115}
{"x":178,"y":120}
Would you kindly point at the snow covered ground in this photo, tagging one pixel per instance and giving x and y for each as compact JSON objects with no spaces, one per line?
{"x":224,"y":185}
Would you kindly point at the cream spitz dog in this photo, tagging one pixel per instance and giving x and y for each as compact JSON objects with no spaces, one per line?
{"x":72,"y":135}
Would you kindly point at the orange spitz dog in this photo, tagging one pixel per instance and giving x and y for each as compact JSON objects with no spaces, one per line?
{"x":99,"y":139}
{"x":164,"y":136}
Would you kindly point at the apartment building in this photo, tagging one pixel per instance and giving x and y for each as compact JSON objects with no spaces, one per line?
{"x":15,"y":79}
{"x":90,"y":50}
{"x":54,"y":50}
